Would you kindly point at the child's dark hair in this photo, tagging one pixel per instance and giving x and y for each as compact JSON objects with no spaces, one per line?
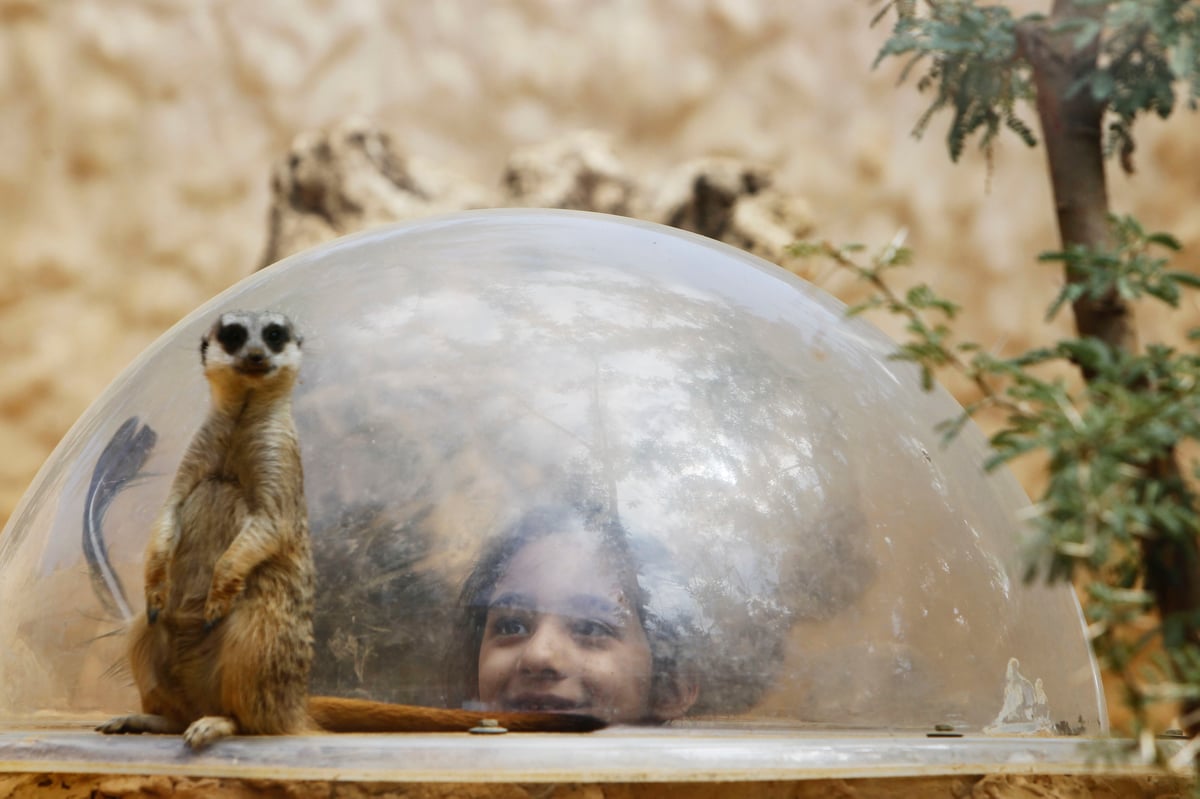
{"x":462,"y":660}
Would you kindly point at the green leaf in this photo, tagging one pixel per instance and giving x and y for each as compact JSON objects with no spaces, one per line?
{"x":1103,"y":85}
{"x":1189,"y":279}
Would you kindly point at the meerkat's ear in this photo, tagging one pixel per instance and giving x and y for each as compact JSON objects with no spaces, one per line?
{"x":203,"y":349}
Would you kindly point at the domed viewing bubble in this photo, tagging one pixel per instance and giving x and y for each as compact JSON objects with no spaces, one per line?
{"x":557,"y":460}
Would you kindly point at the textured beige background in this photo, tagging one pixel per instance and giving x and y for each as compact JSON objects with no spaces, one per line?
{"x":136,"y":138}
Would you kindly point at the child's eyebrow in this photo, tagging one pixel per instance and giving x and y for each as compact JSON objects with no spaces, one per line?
{"x":578,"y":606}
{"x":513,"y":600}
{"x":590,"y":605}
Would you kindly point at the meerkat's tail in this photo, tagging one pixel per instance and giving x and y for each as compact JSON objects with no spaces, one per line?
{"x":122,"y":458}
{"x":335,"y":714}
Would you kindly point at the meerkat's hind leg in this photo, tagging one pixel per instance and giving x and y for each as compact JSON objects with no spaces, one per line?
{"x":207,"y":730}
{"x":140,"y":722}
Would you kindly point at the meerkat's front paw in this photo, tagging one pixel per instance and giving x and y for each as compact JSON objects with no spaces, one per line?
{"x":220,"y":601}
{"x":156,"y":600}
{"x":158,"y":587}
{"x":213,"y":613}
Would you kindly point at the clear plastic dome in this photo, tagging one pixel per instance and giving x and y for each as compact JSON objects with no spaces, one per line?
{"x":549,"y":405}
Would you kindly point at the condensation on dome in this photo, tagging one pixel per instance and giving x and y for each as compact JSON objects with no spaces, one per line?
{"x":804,"y":547}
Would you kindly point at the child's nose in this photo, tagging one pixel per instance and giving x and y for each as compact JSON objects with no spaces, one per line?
{"x":547,"y":652}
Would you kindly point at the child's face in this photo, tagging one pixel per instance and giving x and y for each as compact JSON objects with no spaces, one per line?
{"x":562,"y":635}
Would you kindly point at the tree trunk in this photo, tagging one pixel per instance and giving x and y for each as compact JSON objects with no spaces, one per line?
{"x":1072,"y":127}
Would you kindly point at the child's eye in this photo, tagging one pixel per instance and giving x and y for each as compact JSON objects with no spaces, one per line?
{"x":509,"y":625}
{"x":593,"y":629}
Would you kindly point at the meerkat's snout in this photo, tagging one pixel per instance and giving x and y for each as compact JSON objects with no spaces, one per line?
{"x":255,"y":359}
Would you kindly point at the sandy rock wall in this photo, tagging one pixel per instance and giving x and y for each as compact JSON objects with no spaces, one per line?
{"x":138,"y":136}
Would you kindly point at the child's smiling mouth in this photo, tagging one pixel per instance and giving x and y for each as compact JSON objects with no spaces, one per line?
{"x":545,"y":702}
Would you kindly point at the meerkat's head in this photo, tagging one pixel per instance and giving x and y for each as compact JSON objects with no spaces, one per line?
{"x":251,"y":350}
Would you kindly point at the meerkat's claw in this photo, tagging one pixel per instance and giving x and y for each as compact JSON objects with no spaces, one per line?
{"x":221,"y":596}
{"x":206,"y":730}
{"x":213,"y":613}
{"x":115,"y":726}
{"x":137,"y":723}
{"x":156,"y":600}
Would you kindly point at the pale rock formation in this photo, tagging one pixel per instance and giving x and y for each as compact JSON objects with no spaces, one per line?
{"x":352,"y":176}
{"x":732,"y":201}
{"x":349,"y":178}
{"x":578,"y":171}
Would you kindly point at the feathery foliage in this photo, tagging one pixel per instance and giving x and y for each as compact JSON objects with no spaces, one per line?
{"x":975,"y":66}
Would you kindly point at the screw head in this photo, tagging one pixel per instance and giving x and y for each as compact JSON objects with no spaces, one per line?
{"x":488,"y":727}
{"x":943,"y":730}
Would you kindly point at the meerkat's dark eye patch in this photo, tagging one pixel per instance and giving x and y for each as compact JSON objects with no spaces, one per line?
{"x":276,"y":337}
{"x":232,"y":337}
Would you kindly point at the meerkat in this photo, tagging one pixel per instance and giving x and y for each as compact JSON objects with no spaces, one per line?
{"x":225,"y":643}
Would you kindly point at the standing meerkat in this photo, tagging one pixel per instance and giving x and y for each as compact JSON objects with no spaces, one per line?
{"x":225,"y":644}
